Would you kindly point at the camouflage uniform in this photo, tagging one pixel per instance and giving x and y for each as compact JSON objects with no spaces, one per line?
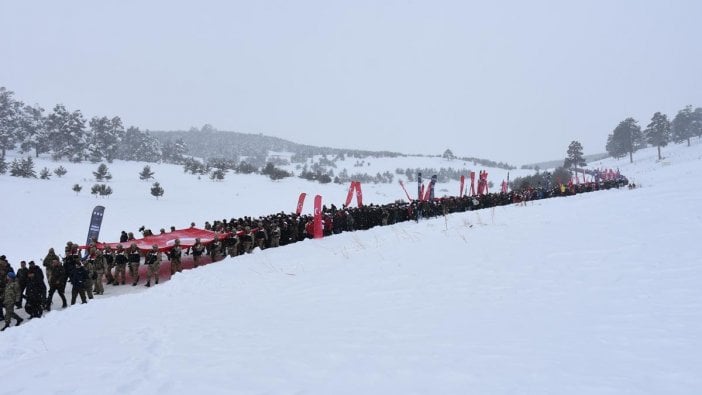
{"x":174,"y":256}
{"x":99,"y":269}
{"x":120,"y":266}
{"x":134,"y":257}
{"x":214,"y":249}
{"x":11,"y":296}
{"x":57,"y":283}
{"x":275,"y":236}
{"x":198,"y":249}
{"x":48,"y":262}
{"x":90,"y":268}
{"x":153,"y":264}
{"x":109,"y":257}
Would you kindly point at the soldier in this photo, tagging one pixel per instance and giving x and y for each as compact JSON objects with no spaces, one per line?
{"x":153,"y":264}
{"x":214,"y":249}
{"x":134,"y":258}
{"x":261,"y":236}
{"x":99,"y":269}
{"x":72,"y":258}
{"x":90,"y":269}
{"x":232,"y":243}
{"x":247,"y":240}
{"x":120,"y":266}
{"x":11,"y":296}
{"x":174,"y":256}
{"x":109,"y":256}
{"x":47,"y":262}
{"x":79,"y":278}
{"x":198,"y":249}
{"x":275,"y":236}
{"x":21,"y":278}
{"x":4,"y":270}
{"x":57,"y":283}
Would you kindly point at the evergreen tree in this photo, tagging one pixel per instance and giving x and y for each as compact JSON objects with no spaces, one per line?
{"x":448,"y":154}
{"x":217,"y":174}
{"x":67,"y":134}
{"x":626,"y":138}
{"x":683,"y":125}
{"x":9,"y":113}
{"x":697,"y":122}
{"x":156,"y":190}
{"x":60,"y":171}
{"x":139,"y":146}
{"x":574,"y":158}
{"x":658,"y":132}
{"x":3,"y":166}
{"x":107,"y":135}
{"x":32,"y":130}
{"x":45,"y":174}
{"x":102,"y":173}
{"x":146,"y":173}
{"x":77,"y":188}
{"x":23,"y":168}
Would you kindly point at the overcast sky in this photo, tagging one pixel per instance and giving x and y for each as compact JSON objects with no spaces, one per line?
{"x":513,"y":81}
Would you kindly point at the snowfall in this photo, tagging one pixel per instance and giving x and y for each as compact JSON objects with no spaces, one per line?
{"x":599,"y":293}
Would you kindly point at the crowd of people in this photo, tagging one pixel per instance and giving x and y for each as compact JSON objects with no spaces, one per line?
{"x":120,"y":265}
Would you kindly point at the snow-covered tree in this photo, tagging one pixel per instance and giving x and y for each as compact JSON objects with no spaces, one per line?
{"x":60,"y":171}
{"x":156,"y":190}
{"x":683,"y":124}
{"x":45,"y":174}
{"x":626,"y":138}
{"x":9,"y":114}
{"x":146,"y":173}
{"x":107,"y":135}
{"x":217,"y":174}
{"x":574,"y":156}
{"x":102,"y":173}
{"x":658,"y":132}
{"x":139,"y":146}
{"x":32,"y":130}
{"x":23,"y":168}
{"x":67,"y":134}
{"x":76,"y":188}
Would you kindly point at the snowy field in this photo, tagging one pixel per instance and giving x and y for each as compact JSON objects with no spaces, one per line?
{"x":592,"y":294}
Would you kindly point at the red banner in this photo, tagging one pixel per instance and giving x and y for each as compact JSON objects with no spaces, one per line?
{"x":504,"y":186}
{"x":300,"y":203}
{"x":421,"y":193}
{"x":404,"y":189}
{"x":463,"y":181}
{"x":349,"y":196}
{"x":359,"y":194}
{"x":472,"y":183}
{"x":318,"y":228}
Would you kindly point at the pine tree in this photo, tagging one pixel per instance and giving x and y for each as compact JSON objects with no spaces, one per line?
{"x":33,"y":132}
{"x":626,"y":138}
{"x":448,"y":154}
{"x":3,"y":166}
{"x":67,"y":134}
{"x":45,"y":174}
{"x":217,"y":174}
{"x":9,"y":114}
{"x":156,"y":190}
{"x":574,"y":158}
{"x":683,"y":125}
{"x":146,"y":173}
{"x":60,"y":171}
{"x":107,"y":134}
{"x":697,"y":122}
{"x":23,"y":168}
{"x":102,"y":173}
{"x":658,"y":132}
{"x":77,"y":188}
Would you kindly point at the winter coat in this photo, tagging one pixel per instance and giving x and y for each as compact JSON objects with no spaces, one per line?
{"x":11,"y":294}
{"x":58,"y":276}
{"x":79,"y":277}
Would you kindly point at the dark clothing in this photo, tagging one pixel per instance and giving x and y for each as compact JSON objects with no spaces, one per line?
{"x":57,"y":283}
{"x":79,"y":279}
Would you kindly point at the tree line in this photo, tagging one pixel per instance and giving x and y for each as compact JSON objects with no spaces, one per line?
{"x":628,"y":137}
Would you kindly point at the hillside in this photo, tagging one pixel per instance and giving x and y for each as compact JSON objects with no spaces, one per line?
{"x":592,"y":294}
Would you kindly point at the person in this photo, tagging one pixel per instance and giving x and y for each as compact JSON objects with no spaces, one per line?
{"x":153,"y":264}
{"x":79,"y":278}
{"x":109,"y":256}
{"x":175,"y":255}
{"x":247,"y":240}
{"x":36,"y":291}
{"x":214,"y":248}
{"x":120,"y":266}
{"x":57,"y":283}
{"x":275,"y":236}
{"x":123,"y":238}
{"x":21,"y":278}
{"x":198,"y":249}
{"x":134,"y":258}
{"x":11,"y":295}
{"x":99,"y":270}
{"x":47,"y":262}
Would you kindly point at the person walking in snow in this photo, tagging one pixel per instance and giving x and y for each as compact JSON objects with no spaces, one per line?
{"x":35,"y":292}
{"x":120,"y":266}
{"x":47,"y":262}
{"x":57,"y":283}
{"x":11,"y":296}
{"x":153,"y":264}
{"x":99,"y":270}
{"x":79,"y":280}
{"x":198,"y":249}
{"x":174,"y":255}
{"x":134,"y":258}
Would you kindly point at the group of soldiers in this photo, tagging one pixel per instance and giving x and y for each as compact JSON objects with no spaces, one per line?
{"x":233,"y":237}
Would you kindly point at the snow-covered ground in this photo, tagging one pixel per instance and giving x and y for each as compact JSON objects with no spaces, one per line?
{"x":592,"y":294}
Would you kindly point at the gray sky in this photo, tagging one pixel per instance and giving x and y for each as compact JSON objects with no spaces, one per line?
{"x":514,"y":81}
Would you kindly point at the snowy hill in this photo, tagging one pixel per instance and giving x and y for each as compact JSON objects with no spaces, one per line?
{"x":597,"y":293}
